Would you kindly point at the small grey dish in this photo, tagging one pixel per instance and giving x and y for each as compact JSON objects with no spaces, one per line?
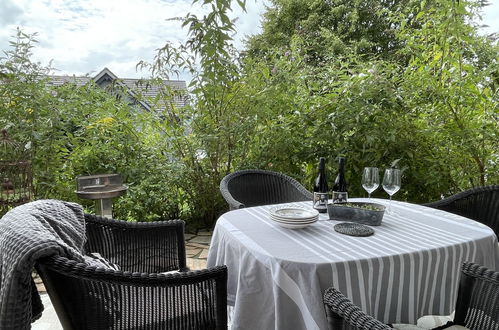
{"x":359,"y":212}
{"x":353,"y":229}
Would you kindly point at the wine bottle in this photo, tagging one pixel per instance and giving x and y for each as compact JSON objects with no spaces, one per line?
{"x":340,"y":192}
{"x":320,"y":188}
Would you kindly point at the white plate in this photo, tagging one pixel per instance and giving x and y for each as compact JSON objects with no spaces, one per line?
{"x":293,"y":212}
{"x":293,"y":221}
{"x":290,"y":226}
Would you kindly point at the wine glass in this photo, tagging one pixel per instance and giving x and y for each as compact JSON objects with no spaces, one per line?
{"x":370,"y":179}
{"x":391,"y":184}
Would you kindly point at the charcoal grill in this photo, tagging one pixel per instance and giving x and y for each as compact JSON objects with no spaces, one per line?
{"x":102,"y":188}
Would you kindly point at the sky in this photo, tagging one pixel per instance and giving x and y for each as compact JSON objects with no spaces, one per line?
{"x":84,"y":36}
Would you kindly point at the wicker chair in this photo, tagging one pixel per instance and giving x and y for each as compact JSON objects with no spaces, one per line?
{"x":480,"y":204}
{"x":137,"y":296}
{"x":258,"y":187}
{"x":477,"y":305}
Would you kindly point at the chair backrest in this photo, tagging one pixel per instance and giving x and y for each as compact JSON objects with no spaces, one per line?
{"x":477,"y":304}
{"x":480,"y":204}
{"x":258,"y":187}
{"x":148,"y":247}
{"x":89,"y":298}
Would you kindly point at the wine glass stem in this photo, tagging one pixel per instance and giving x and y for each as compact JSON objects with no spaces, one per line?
{"x":369,"y":195}
{"x":390,"y":205}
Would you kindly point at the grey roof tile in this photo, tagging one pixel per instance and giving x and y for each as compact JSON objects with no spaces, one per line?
{"x":146,"y":88}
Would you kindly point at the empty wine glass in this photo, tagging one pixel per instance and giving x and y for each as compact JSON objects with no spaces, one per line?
{"x":391,"y":184}
{"x":370,"y":179}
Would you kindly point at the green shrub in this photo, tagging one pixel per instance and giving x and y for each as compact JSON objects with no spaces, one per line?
{"x":430,"y":107}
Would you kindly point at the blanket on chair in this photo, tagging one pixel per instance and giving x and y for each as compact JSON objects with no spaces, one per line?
{"x":27,"y":233}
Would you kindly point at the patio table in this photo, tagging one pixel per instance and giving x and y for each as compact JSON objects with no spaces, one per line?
{"x":408,"y":268}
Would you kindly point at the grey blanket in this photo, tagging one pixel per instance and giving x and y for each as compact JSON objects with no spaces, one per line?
{"x":28,"y":233}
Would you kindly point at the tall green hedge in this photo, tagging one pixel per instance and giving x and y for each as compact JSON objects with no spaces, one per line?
{"x":431,"y":108}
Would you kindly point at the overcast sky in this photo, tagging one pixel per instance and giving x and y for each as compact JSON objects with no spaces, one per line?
{"x":84,"y":36}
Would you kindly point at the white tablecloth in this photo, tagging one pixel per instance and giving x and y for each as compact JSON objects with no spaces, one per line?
{"x":410,"y":267}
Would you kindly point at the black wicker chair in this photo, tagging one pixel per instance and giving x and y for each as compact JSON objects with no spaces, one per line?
{"x":137,"y":296}
{"x":258,"y":187}
{"x":480,"y":204}
{"x":477,"y":305}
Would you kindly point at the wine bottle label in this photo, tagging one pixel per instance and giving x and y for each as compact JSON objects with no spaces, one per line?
{"x":340,"y":197}
{"x":320,"y":201}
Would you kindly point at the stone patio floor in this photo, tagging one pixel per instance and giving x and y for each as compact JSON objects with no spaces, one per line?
{"x":196,"y":249}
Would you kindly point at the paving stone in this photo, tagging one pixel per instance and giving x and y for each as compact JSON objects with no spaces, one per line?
{"x":192,"y":253}
{"x":196,"y":264}
{"x":201,"y":239}
{"x":188,"y":236}
{"x":49,"y":319}
{"x":205,"y":233}
{"x":41,"y":288}
{"x":197,"y":245}
{"x":204,"y":254}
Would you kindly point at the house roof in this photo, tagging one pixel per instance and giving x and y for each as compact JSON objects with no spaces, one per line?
{"x":147,"y":88}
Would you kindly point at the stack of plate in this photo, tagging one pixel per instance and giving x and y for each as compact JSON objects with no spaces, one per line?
{"x":293,"y":217}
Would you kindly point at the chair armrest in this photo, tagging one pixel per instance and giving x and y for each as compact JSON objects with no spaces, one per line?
{"x":149,"y":247}
{"x":233,"y":203}
{"x":341,"y":312}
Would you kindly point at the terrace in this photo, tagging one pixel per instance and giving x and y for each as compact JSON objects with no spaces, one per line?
{"x":212,"y":222}
{"x":319,"y":260}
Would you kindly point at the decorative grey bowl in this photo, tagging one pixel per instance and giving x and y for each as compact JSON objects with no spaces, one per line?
{"x":356,"y":212}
